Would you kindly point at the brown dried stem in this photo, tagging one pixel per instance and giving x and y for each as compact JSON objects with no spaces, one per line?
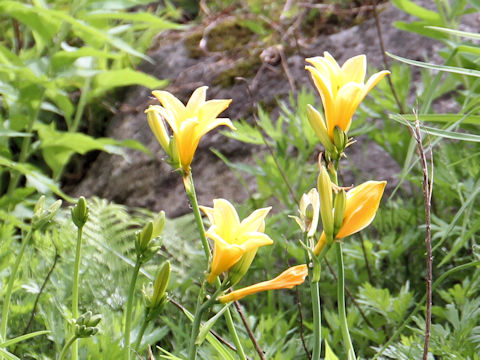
{"x":249,"y":331}
{"x":427,"y":194}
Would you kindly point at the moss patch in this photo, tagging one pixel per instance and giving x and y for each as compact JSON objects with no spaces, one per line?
{"x":246,"y":68}
{"x":226,"y":36}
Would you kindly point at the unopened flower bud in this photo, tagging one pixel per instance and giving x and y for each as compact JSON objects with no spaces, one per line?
{"x":42,"y":217}
{"x":144,"y":237}
{"x":80,"y":213}
{"x":238,"y":271}
{"x":340,"y":203}
{"x":326,"y":207}
{"x":158,"y":224}
{"x":339,"y":139}
{"x":318,"y":125}
{"x":161,"y":284}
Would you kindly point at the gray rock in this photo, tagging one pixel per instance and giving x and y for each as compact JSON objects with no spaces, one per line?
{"x":150,"y":182}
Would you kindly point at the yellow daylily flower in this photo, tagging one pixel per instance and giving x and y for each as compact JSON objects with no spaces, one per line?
{"x":341,"y":89}
{"x":233,"y":239}
{"x":361,"y":206}
{"x":188,"y":123}
{"x":286,"y":280}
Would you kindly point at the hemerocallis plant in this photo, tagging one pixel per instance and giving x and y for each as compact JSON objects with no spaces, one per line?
{"x":360,"y":209}
{"x":188,"y":123}
{"x":309,"y":211}
{"x":286,"y":280}
{"x":233,"y":239}
{"x":341,"y":89}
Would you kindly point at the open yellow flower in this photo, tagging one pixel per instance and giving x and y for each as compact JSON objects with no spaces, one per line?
{"x":341,"y":89}
{"x":286,"y":280}
{"x":360,"y":209}
{"x":188,"y":123}
{"x":233,"y":239}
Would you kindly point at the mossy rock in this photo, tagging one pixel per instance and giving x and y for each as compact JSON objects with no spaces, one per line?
{"x":246,"y":68}
{"x":225,"y":36}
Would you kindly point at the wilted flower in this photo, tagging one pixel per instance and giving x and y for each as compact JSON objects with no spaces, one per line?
{"x":341,"y":89}
{"x":233,"y":239}
{"x":286,"y":280}
{"x":309,"y":211}
{"x":361,"y":206}
{"x":188,"y":123}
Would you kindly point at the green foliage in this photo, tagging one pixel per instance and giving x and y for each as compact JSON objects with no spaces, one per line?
{"x":56,"y":60}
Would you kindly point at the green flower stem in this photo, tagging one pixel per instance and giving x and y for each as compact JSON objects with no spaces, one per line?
{"x":317,"y":320}
{"x":128,"y":316}
{"x":190,"y":190}
{"x":11,"y":280}
{"x":76,"y":274}
{"x":142,"y":331}
{"x":192,"y":349}
{"x":341,"y":304}
{"x":65,"y":348}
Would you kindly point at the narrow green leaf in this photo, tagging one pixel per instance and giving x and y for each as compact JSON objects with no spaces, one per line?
{"x":416,"y":10}
{"x":217,"y":345}
{"x":207,"y":326}
{"x":460,"y":243}
{"x":23,"y":338}
{"x":8,"y":355}
{"x":466,"y":34}
{"x":442,"y":118}
{"x":110,"y":79}
{"x":452,"y":69}
{"x":91,"y":34}
{"x":141,"y":17}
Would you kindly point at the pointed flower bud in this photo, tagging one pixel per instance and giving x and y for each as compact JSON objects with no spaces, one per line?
{"x":86,"y":324}
{"x":160,"y":286}
{"x":158,"y":224}
{"x":326,"y":207}
{"x":288,"y":279}
{"x":144,"y":237}
{"x":340,"y":139}
{"x":238,"y":271}
{"x":42,"y":217}
{"x":318,"y":124}
{"x":80,"y":213}
{"x":340,"y":203}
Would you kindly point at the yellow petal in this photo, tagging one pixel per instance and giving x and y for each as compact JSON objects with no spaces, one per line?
{"x":373,"y":81}
{"x":171,"y":103}
{"x":288,"y":279}
{"x":224,"y":256}
{"x":253,"y":240}
{"x":157,"y":125}
{"x":187,"y":141}
{"x":196,"y":100}
{"x":208,"y":211}
{"x":362,"y":205}
{"x":211,"y":109}
{"x":354,"y":69}
{"x":322,"y":241}
{"x":225,"y":219}
{"x":255,"y":220}
{"x":204,"y":128}
{"x":347,"y":101}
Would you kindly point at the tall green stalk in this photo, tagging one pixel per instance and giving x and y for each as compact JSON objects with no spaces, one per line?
{"x":11,"y":280}
{"x":66,"y":346}
{"x":317,"y":320}
{"x":128,"y":316}
{"x":190,"y":190}
{"x":341,"y":303}
{"x":76,"y":278}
